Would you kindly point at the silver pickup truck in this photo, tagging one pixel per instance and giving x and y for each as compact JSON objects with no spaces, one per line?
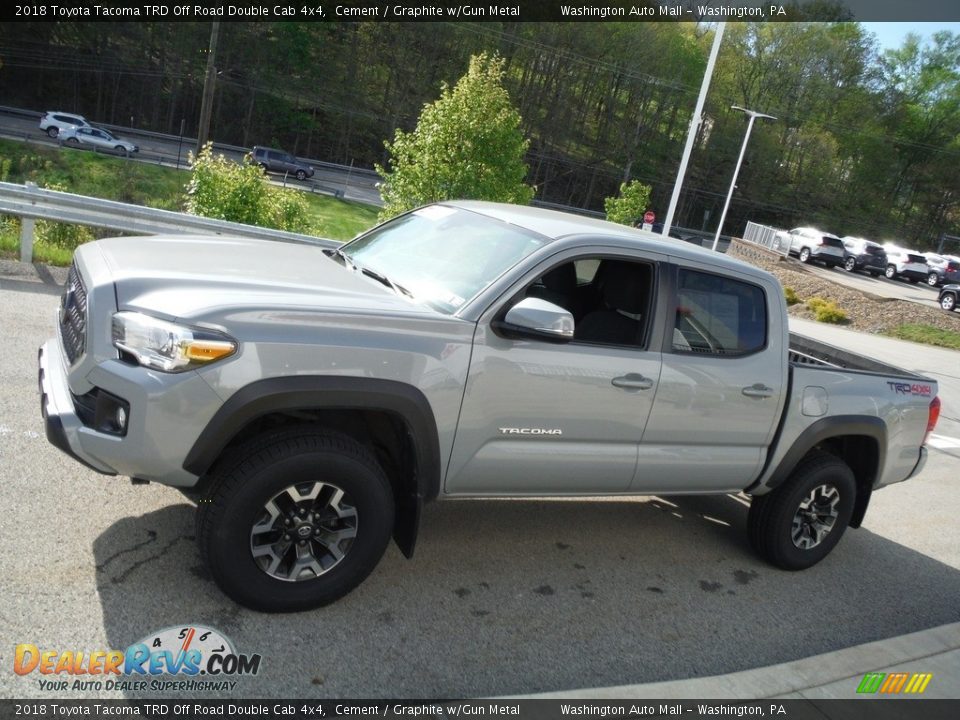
{"x":311,"y":399}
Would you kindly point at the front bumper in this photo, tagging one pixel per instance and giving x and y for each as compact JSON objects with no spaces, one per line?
{"x":61,"y":422}
{"x":167,"y":412}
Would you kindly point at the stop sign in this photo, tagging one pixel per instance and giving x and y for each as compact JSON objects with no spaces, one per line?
{"x":649,"y":217}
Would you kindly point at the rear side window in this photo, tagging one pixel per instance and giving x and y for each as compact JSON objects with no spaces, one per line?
{"x":717,"y":315}
{"x":916,"y":258}
{"x":832,"y":241}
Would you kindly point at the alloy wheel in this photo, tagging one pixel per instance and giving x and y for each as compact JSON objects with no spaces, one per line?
{"x":303,"y":531}
{"x":815,"y":517}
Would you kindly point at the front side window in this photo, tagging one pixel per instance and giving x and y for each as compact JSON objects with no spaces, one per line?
{"x":717,"y":315}
{"x":442,"y":256}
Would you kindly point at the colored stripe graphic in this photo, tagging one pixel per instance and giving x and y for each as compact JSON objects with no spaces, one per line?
{"x":870,"y":683}
{"x":894,"y":683}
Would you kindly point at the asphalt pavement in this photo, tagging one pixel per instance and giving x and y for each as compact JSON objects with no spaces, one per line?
{"x":502,"y":598}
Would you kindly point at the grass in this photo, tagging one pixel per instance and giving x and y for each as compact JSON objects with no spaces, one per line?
{"x":927,"y":334}
{"x":112,"y":178}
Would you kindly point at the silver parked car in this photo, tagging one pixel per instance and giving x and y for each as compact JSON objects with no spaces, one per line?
{"x":54,"y":122}
{"x":812,"y":245}
{"x":96,"y":138}
{"x":905,"y":264}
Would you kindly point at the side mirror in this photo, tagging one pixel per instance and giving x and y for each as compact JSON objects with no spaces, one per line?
{"x":537,"y":319}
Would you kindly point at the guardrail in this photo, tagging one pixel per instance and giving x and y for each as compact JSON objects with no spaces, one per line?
{"x":766,"y":236}
{"x":31,"y":203}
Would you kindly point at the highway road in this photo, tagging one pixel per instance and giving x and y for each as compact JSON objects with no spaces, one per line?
{"x":502,"y":597}
{"x":354,"y":184}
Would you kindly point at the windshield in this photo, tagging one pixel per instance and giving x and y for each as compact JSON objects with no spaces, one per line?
{"x":442,"y":256}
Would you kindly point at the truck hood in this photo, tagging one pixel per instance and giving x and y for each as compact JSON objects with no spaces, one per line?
{"x":199,"y":277}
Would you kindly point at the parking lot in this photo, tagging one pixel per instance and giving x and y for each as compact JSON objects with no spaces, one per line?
{"x":502,"y":597}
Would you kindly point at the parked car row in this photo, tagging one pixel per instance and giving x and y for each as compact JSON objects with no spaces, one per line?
{"x":856,"y":254}
{"x":74,"y":130}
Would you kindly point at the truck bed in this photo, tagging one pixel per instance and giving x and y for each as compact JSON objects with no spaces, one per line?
{"x":808,"y":352}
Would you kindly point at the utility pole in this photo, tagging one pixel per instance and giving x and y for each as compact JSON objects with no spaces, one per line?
{"x":694,"y":128}
{"x":209,"y":84}
{"x":753,"y":115}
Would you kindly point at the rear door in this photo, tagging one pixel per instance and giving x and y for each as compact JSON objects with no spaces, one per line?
{"x":722,"y":386}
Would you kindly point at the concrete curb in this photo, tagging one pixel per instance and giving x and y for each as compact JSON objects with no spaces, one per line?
{"x":833,"y":674}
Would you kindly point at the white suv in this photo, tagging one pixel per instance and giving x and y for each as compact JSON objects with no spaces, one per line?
{"x":902,"y":263}
{"x":54,"y":121}
{"x":810,"y":244}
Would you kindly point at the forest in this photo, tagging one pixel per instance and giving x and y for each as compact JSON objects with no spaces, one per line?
{"x":866,"y":142}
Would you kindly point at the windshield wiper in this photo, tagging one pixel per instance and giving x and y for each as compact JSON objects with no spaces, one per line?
{"x":346,"y":258}
{"x":380,"y":277}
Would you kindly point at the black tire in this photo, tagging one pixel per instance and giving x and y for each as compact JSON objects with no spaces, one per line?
{"x":933,"y":279}
{"x":770,"y":522}
{"x":850,"y":264}
{"x":236,"y":505}
{"x":53,"y":131}
{"x":804,"y":255}
{"x":72,"y":142}
{"x":891,"y":272}
{"x":301,"y":175}
{"x":948,"y":302}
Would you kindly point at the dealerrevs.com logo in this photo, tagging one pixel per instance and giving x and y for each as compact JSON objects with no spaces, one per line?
{"x":186,"y":653}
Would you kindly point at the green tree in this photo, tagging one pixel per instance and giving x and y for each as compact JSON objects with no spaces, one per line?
{"x":467,"y":144}
{"x":222,"y":189}
{"x":630,"y":205}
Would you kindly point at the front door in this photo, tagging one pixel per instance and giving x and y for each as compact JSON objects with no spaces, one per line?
{"x":543,"y":418}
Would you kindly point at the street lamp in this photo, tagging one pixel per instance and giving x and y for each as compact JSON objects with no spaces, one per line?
{"x":753,"y":115}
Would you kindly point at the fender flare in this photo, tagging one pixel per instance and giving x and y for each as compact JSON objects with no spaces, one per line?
{"x":824,"y":429}
{"x":332,"y":392}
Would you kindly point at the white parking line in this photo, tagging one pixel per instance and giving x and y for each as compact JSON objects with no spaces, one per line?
{"x":942,"y":442}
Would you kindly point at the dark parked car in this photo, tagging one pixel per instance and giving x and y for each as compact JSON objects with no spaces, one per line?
{"x":943,"y":269}
{"x":278,"y":161}
{"x":863,"y":255}
{"x":949,"y":294}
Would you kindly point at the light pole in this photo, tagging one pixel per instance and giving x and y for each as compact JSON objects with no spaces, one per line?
{"x":753,"y":115}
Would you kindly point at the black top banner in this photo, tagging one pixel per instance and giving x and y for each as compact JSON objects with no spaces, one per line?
{"x":491,"y":10}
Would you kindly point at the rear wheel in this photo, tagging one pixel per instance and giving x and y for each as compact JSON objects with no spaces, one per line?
{"x":933,"y":279}
{"x":797,"y":525}
{"x":850,"y":264}
{"x":948,"y":301}
{"x":297,"y":521}
{"x":301,"y":175}
{"x":805,"y":255}
{"x":53,"y":131}
{"x":891,"y":272}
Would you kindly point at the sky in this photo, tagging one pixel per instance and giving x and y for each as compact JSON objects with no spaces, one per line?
{"x":892,"y":34}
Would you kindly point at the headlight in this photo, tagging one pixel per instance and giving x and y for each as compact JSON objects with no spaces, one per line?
{"x":167,"y":346}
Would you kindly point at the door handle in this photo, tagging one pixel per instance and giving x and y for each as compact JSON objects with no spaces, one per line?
{"x":632,"y":381}
{"x":758,"y":390}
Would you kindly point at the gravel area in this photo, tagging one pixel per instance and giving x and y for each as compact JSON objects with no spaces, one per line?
{"x":865,"y":312}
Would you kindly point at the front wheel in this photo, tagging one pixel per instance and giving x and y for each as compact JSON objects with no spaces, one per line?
{"x":805,"y":255}
{"x":891,"y":272}
{"x":297,"y":521}
{"x":301,"y":175}
{"x":933,"y":279}
{"x":797,"y":525}
{"x":948,"y":302}
{"x":850,"y":264}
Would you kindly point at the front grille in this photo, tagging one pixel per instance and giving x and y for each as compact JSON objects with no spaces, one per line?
{"x":73,"y":316}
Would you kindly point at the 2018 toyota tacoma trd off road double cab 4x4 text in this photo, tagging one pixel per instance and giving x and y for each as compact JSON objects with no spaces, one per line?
{"x":311,"y":399}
